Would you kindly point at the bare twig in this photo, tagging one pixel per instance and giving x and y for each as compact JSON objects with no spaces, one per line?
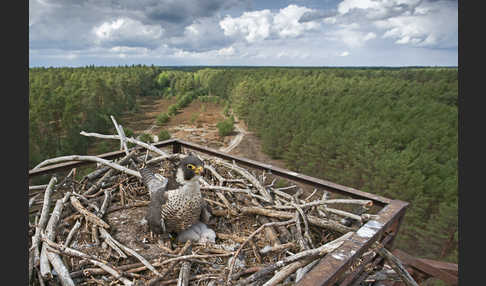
{"x":121,"y":134}
{"x":250,"y":178}
{"x":129,"y":139}
{"x":89,"y":216}
{"x":250,"y":237}
{"x":324,"y":223}
{"x":104,"y":233}
{"x":397,"y":265}
{"x":320,"y":251}
{"x":45,"y":268}
{"x":43,"y":220}
{"x":72,"y":232}
{"x":287,"y":271}
{"x":91,"y":159}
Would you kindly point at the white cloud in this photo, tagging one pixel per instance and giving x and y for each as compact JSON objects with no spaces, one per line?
{"x":435,"y":28}
{"x":376,"y":9}
{"x":252,"y":25}
{"x":344,"y":54}
{"x":126,"y":31}
{"x":286,"y":21}
{"x":229,"y":51}
{"x":351,"y":35}
{"x":260,"y":25}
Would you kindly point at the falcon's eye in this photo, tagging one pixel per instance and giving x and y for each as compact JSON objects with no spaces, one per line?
{"x":191,"y":166}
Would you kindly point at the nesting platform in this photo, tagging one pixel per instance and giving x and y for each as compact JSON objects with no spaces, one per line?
{"x":273,"y":226}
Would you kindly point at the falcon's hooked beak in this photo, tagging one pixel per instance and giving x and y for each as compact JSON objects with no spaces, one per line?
{"x":199,"y":170}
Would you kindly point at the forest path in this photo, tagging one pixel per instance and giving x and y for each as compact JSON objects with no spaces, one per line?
{"x":241,"y":129}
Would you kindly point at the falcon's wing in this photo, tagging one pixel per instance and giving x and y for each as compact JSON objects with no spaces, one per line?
{"x":158,"y":197}
{"x":153,"y":183}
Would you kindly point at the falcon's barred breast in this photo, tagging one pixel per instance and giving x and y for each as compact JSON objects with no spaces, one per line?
{"x":175,"y":210}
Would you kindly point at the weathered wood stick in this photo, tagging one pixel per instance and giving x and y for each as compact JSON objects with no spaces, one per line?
{"x":220,"y":178}
{"x":303,"y":270}
{"x":129,"y":139}
{"x":90,"y":159}
{"x":107,"y":174}
{"x":71,"y":234}
{"x":171,"y":265}
{"x":185,"y":271}
{"x":31,"y":200}
{"x":303,"y":245}
{"x":232,"y":264}
{"x":199,"y":277}
{"x":270,"y":233}
{"x":42,"y":220}
{"x":233,"y":190}
{"x":31,"y":265}
{"x":89,"y":216}
{"x":184,"y":274}
{"x":397,"y":265}
{"x":163,"y":158}
{"x":276,"y":248}
{"x":121,"y":134}
{"x":192,"y":256}
{"x":246,"y":271}
{"x":249,"y":177}
{"x":329,"y":224}
{"x":50,"y":230}
{"x":323,"y":202}
{"x":233,"y":237}
{"x":53,"y":247}
{"x":320,"y":251}
{"x":105,"y":204}
{"x":104,"y":233}
{"x":112,"y":272}
{"x":287,"y":271}
{"x":111,"y":243}
{"x":128,"y":206}
{"x":255,"y":251}
{"x":61,"y":269}
{"x":39,"y":277}
{"x":97,"y":173}
{"x":44,"y":266}
{"x":306,"y":224}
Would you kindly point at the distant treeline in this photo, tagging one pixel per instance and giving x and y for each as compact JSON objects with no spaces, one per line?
{"x":388,"y":131}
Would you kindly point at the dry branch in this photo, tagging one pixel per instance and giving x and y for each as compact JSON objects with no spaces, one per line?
{"x":329,"y":224}
{"x":43,"y":220}
{"x":121,"y":134}
{"x":397,"y":265}
{"x":90,"y":159}
{"x":56,"y":261}
{"x":72,"y":232}
{"x":287,"y":271}
{"x":320,"y":251}
{"x":89,"y":216}
{"x":105,"y":234}
{"x":254,"y":181}
{"x":250,"y":237}
{"x":129,"y":139}
{"x":277,"y":248}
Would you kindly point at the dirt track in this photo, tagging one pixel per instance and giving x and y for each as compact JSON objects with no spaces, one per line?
{"x":197,"y":123}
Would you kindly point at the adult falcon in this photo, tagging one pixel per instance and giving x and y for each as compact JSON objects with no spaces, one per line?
{"x":179,"y":210}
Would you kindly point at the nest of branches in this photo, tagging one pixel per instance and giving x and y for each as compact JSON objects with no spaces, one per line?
{"x":268,"y":231}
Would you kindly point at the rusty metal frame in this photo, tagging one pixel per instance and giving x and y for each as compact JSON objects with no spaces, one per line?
{"x":332,"y":268}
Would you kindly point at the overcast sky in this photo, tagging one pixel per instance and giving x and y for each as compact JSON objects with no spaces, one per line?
{"x":243,"y":32}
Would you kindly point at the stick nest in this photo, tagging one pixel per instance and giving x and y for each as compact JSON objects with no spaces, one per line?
{"x":237,"y":199}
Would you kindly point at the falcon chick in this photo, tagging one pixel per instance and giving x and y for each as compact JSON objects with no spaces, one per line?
{"x":175,"y":210}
